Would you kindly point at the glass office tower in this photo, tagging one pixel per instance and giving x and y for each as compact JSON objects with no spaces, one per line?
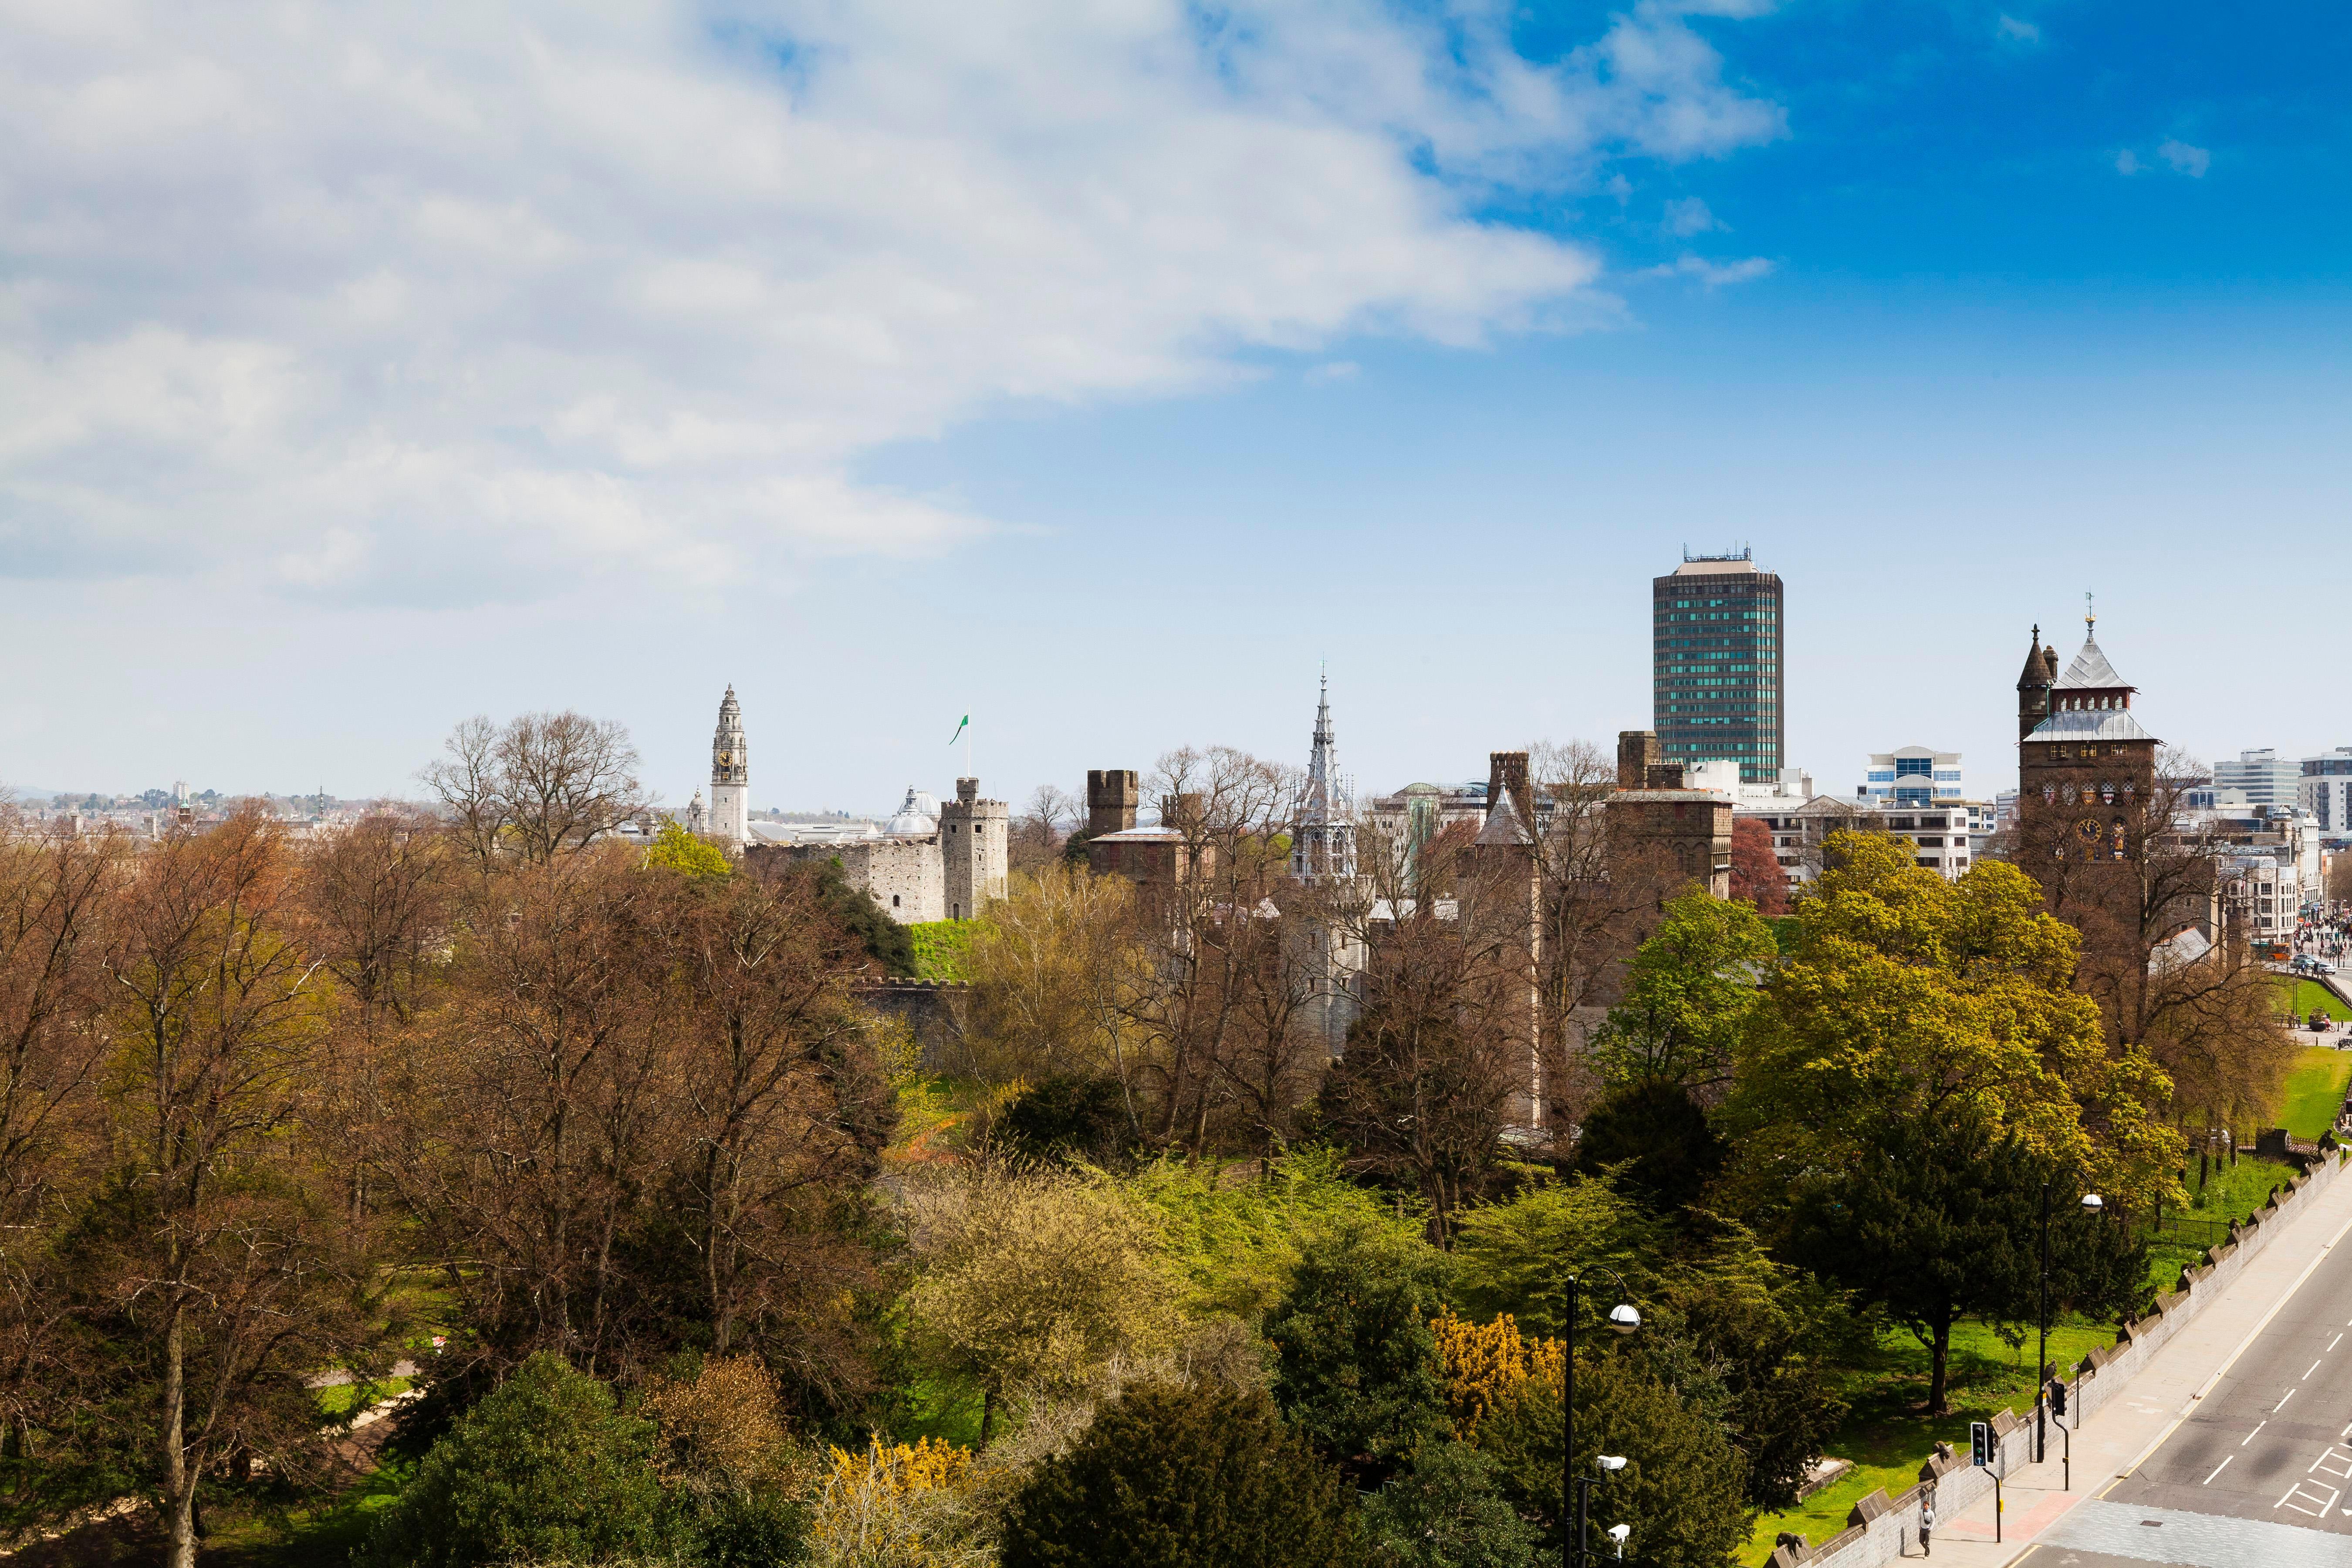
{"x":1717,"y":625}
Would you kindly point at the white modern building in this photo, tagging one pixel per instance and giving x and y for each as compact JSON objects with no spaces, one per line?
{"x":1912,"y":775}
{"x":2266,"y":780}
{"x":2324,"y":790}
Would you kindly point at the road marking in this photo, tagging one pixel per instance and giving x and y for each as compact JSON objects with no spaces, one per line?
{"x":2296,"y":1498}
{"x":2334,"y":1342}
{"x":2249,"y":1436}
{"x":2224,"y":1370}
{"x":2216,"y":1470}
{"x":2281,"y":1403}
{"x":2312,"y":1368}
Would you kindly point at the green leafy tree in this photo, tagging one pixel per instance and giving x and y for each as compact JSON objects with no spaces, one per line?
{"x":1940,"y":1220}
{"x":1356,"y":1360}
{"x":1172,"y":1477}
{"x":546,"y":1466}
{"x":1448,"y":1511}
{"x":1688,"y":991}
{"x":886,"y":941}
{"x":676,"y":849}
{"x":1067,"y":1118}
{"x":1913,"y":999}
{"x":1683,"y":1489}
{"x":1656,"y":1138}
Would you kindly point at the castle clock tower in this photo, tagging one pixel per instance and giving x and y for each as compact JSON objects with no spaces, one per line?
{"x":2085,"y":769}
{"x":730,"y":779}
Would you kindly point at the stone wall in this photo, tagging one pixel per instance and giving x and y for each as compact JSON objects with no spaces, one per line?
{"x":1881,"y":1528}
{"x":906,"y":876}
{"x":975,"y":847}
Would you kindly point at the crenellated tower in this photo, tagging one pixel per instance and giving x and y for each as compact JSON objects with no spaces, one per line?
{"x":975,"y":840}
{"x":730,"y":779}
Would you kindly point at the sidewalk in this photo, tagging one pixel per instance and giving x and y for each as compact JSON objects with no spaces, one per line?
{"x":2111,"y":1442}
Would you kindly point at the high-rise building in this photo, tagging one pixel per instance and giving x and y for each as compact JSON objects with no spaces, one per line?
{"x":1717,"y":654}
{"x":2326,"y":790}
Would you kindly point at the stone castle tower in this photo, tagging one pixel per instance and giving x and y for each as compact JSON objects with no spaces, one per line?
{"x":2086,"y":767}
{"x":730,"y":779}
{"x":974,"y":841}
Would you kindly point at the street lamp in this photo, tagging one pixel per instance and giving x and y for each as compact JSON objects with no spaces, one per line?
{"x":2092,"y":1203}
{"x":1622,"y":1319}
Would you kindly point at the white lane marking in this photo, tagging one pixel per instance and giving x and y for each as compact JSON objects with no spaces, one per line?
{"x":2336,"y":1465}
{"x":2224,"y":1370}
{"x":2301,"y":1501}
{"x":2312,"y":1368}
{"x":2249,"y":1436}
{"x":2334,"y":1342}
{"x":2281,"y":1403}
{"x":2216,"y":1470}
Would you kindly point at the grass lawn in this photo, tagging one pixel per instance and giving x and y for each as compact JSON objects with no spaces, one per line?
{"x":1887,"y":1438}
{"x":336,"y":1399}
{"x":2314,"y":1091}
{"x":2308,"y":996}
{"x":322,"y":1536}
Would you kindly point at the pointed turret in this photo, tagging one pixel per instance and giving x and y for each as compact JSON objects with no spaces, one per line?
{"x":2033,"y":687}
{"x":1323,"y":841}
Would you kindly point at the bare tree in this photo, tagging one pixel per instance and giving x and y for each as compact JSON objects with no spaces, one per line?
{"x":377,"y":896}
{"x":538,"y":786}
{"x":1042,"y":828}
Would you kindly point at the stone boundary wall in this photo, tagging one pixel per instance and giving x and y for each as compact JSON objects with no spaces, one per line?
{"x":1880,"y":1528}
{"x":932,"y":1008}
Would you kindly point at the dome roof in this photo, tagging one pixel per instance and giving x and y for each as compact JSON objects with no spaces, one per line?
{"x":918,"y":816}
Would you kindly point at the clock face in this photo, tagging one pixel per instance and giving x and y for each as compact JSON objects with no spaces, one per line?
{"x":2088,"y":830}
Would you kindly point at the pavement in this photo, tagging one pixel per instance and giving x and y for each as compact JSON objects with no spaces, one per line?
{"x":2232,"y":1449}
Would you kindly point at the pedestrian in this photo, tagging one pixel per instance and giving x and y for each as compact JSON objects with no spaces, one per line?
{"x":1927,"y":1524}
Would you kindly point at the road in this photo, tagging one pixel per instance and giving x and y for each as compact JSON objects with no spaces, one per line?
{"x":2259,"y":1474}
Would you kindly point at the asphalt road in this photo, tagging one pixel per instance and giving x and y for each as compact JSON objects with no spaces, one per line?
{"x":2261,"y":1472}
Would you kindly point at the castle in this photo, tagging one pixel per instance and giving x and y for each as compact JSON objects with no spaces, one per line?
{"x":935,"y":860}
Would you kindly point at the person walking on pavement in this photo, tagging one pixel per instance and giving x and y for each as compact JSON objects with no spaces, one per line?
{"x":1927,"y":1524}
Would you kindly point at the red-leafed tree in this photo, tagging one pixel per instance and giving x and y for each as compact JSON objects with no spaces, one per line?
{"x":1756,"y":874}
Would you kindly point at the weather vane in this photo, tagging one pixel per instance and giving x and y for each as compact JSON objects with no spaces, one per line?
{"x":2090,"y":616}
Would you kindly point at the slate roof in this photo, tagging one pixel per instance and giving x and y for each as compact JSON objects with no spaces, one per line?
{"x":1502,"y":825}
{"x":2090,"y":724}
{"x":2090,"y":669}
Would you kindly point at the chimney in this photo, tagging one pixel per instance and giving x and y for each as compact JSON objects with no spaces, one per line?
{"x":1112,"y":796}
{"x":1637,"y":753}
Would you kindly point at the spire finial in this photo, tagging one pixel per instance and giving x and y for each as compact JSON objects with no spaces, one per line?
{"x":2090,"y":616}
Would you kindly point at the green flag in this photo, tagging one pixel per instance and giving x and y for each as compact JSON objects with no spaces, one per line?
{"x":962,"y":725}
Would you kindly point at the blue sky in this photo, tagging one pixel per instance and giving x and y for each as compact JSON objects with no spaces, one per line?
{"x":1102,"y":377}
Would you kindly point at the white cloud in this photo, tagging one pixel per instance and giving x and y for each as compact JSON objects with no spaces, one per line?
{"x":2011,"y":30}
{"x":1333,"y":370}
{"x":2126,"y":161}
{"x":1714,"y":274}
{"x":1690,"y":215}
{"x":2186,"y":159}
{"x":452,"y":302}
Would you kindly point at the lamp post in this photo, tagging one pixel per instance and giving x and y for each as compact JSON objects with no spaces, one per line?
{"x":2092,"y":1204}
{"x":1622,"y":1319}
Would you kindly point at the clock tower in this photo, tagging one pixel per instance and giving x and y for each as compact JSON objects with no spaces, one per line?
{"x":730,"y":779}
{"x":2086,"y":767}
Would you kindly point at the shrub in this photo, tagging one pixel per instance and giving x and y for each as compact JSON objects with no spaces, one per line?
{"x":546,"y":1466}
{"x":1172,"y":1477}
{"x":1447,"y":1511}
{"x":1356,"y":1366}
{"x":1067,"y":1118}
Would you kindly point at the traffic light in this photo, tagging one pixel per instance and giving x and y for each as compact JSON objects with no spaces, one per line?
{"x":1980,"y":1442}
{"x":2058,"y":1396}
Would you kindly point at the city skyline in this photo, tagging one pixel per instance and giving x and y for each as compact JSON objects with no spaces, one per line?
{"x":1951,"y":313}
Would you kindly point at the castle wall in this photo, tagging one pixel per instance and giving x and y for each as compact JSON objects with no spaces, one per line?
{"x":906,"y":876}
{"x":975,"y":847}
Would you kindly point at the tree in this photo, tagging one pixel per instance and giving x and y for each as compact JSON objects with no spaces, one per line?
{"x":209,"y":1255}
{"x":1355,"y":1366}
{"x":1067,"y":1119}
{"x":1688,"y":991}
{"x":1034,"y":1281}
{"x":1448,"y":1511}
{"x":547,"y":1467}
{"x":1172,"y":1477}
{"x":886,"y":941}
{"x":377,"y":899}
{"x":1939,"y":1219}
{"x":1912,"y":998}
{"x":538,"y":786}
{"x":1682,"y":1489}
{"x":1756,"y":875}
{"x":1654,"y":1136}
{"x":676,"y":849}
{"x":1055,"y":968}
